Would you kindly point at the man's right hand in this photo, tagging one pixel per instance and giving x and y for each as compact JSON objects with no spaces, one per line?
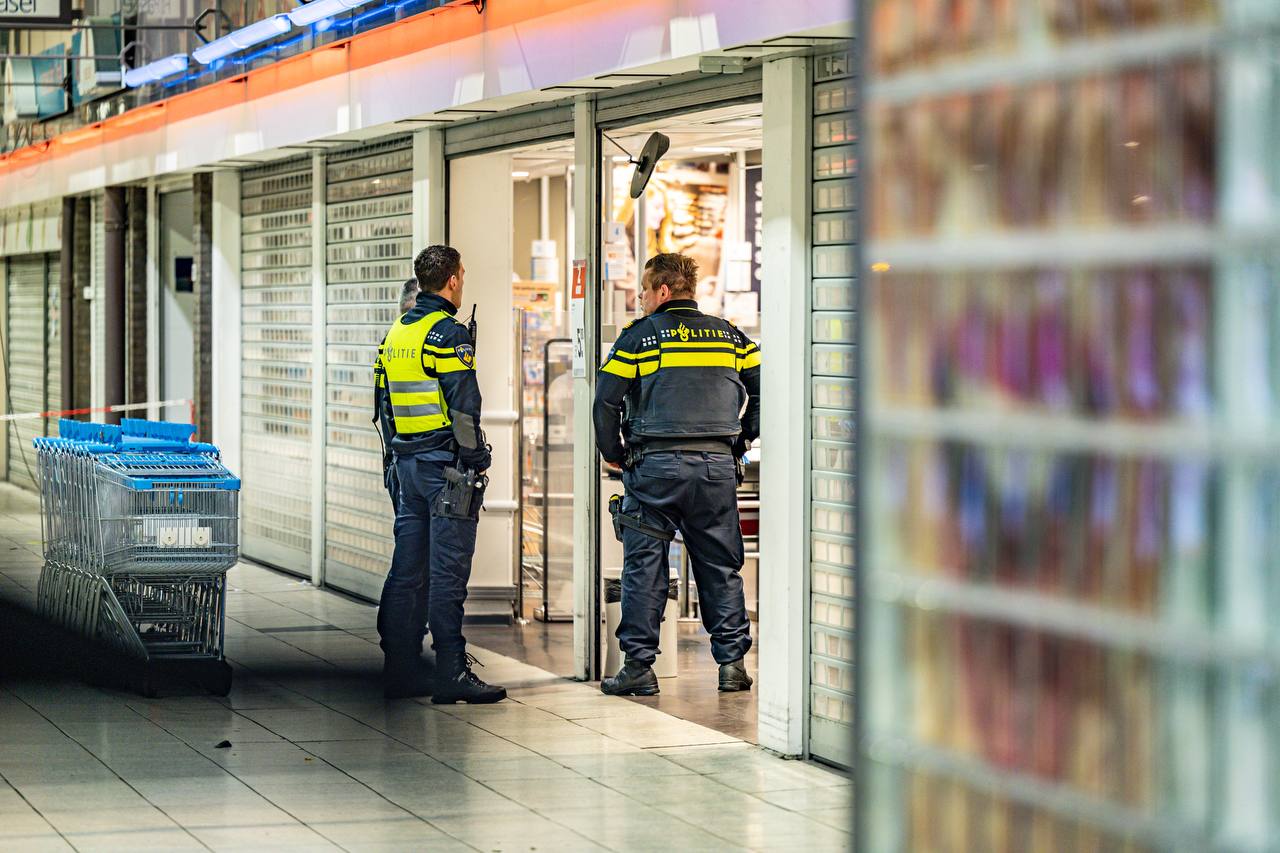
{"x":613,"y":469}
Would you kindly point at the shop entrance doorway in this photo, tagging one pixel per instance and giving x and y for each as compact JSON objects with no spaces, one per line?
{"x":703,"y":200}
{"x":177,"y":303}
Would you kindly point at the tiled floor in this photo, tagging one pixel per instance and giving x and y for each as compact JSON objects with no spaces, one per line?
{"x":693,"y":695}
{"x":319,"y":761}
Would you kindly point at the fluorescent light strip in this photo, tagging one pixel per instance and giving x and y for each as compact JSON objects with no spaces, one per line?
{"x":255,"y":33}
{"x":316,"y":10}
{"x":155,"y":71}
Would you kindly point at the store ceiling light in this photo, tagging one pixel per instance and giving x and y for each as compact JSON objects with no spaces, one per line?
{"x":317,"y":10}
{"x":255,"y":33}
{"x":712,"y":150}
{"x":519,"y":174}
{"x":155,"y":71}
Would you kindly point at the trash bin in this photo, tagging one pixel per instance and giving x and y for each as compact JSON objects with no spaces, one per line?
{"x":667,"y":665}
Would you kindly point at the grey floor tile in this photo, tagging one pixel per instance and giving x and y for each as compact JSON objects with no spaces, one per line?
{"x":314,"y":724}
{"x":563,"y":794}
{"x":127,"y":840}
{"x":840,"y":818}
{"x":281,"y":837}
{"x":388,"y":836}
{"x":640,"y":828}
{"x":516,"y":832}
{"x":629,"y":764}
{"x":485,"y":768}
{"x":811,"y":798}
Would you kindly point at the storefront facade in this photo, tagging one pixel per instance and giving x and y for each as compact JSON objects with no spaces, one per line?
{"x":315,"y":214}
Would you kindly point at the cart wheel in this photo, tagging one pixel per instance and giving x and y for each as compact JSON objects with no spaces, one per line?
{"x":146,"y":683}
{"x":217,"y":678}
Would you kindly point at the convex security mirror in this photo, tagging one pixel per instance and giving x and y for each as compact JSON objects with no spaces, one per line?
{"x":654,"y":147}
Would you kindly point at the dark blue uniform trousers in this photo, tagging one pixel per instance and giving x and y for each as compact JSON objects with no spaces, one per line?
{"x":695,"y":493}
{"x":430,"y":567}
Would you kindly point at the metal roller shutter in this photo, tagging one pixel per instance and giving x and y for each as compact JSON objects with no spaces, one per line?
{"x":97,"y":317}
{"x":368,"y":255}
{"x":276,"y":488}
{"x":53,"y":337}
{"x":673,"y":96}
{"x":832,"y":369}
{"x":540,"y":124}
{"x":26,"y":358}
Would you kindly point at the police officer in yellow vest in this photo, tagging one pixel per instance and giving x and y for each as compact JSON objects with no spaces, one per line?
{"x":427,"y":366}
{"x":677,"y":405}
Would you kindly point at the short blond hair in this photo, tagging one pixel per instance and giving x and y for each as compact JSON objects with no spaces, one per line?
{"x":678,"y":272}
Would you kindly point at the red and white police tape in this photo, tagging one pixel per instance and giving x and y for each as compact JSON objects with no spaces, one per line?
{"x":122,"y":407}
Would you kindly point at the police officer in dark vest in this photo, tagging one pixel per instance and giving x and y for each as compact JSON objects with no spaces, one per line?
{"x":677,"y":405}
{"x":427,"y":366}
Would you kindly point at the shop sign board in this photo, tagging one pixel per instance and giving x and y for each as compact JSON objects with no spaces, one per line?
{"x":578,"y":318}
{"x":35,"y":12}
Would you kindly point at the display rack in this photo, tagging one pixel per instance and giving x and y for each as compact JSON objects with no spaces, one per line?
{"x":1073,"y":499}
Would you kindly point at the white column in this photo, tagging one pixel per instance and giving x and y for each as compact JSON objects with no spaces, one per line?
{"x":154,"y":356}
{"x":482,"y":213}
{"x":586,"y":468}
{"x":428,"y":188}
{"x":225,"y":312}
{"x":783,"y":424}
{"x":319,"y":402}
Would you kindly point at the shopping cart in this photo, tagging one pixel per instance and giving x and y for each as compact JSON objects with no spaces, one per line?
{"x":140,"y":525}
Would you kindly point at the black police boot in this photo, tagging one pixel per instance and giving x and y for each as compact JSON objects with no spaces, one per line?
{"x":426,"y":664}
{"x":404,"y":676}
{"x":733,"y":677}
{"x":455,"y":682}
{"x":634,"y":679}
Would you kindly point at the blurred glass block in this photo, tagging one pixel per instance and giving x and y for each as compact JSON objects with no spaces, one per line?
{"x":834,"y":261}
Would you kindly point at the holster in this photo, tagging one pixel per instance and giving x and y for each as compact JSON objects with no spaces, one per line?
{"x":462,"y":495}
{"x":621,"y":520}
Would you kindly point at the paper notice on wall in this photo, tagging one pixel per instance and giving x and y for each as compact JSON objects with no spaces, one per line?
{"x":578,"y":318}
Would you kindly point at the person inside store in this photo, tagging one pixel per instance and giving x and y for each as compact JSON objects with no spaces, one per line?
{"x":677,"y":406}
{"x":385,"y":419}
{"x":427,"y":366}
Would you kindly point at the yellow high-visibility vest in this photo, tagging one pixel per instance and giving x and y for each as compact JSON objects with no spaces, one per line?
{"x":411,"y":374}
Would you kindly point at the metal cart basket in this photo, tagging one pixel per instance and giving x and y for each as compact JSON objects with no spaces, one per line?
{"x":140,"y":526}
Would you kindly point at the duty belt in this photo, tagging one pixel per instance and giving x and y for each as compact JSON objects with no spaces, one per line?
{"x":637,"y":452}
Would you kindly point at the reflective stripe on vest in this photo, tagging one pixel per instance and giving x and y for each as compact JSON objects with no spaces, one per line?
{"x":416,"y":401}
